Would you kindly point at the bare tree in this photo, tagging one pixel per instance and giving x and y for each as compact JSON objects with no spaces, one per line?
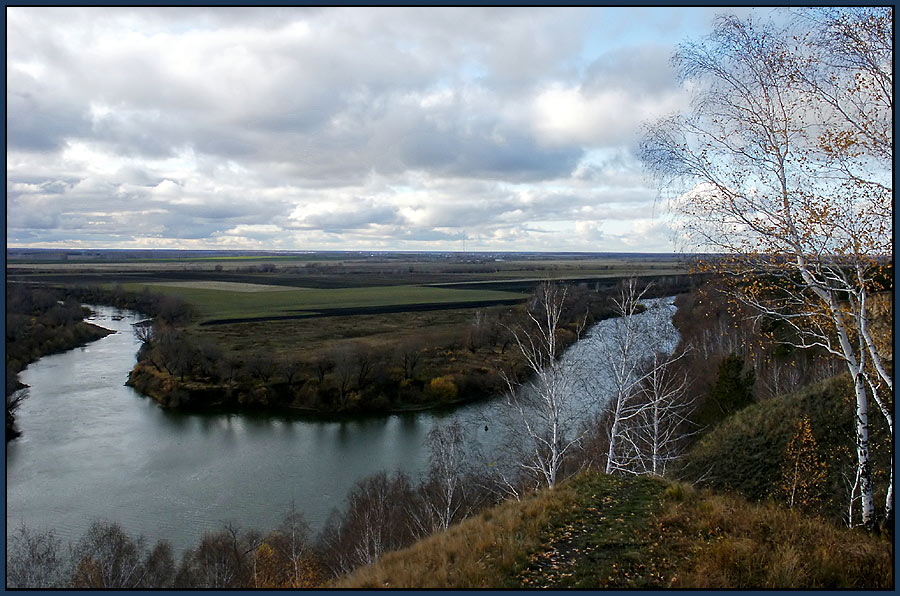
{"x":364,"y":367}
{"x":14,"y":400}
{"x":34,"y":560}
{"x":323,"y":365}
{"x":788,"y":153}
{"x":169,"y":349}
{"x":544,"y":407}
{"x":294,"y":543}
{"x":223,"y":559}
{"x":375,"y":522}
{"x":159,"y":567}
{"x":657,"y":421}
{"x":291,"y":367}
{"x":284,"y":558}
{"x":646,"y":418}
{"x":262,"y":367}
{"x":344,"y":359}
{"x":143,"y":331}
{"x":353,"y":367}
{"x":106,"y":557}
{"x":410,"y":357}
{"x":447,"y":494}
{"x":208,"y":355}
{"x":622,"y":353}
{"x":476,"y":332}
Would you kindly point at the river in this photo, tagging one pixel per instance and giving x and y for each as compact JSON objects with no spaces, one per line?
{"x":92,"y":448}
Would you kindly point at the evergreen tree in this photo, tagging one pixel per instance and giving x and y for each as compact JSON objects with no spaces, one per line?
{"x":733,"y":391}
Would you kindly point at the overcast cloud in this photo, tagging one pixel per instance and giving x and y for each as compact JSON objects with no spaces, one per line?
{"x":346,"y":128}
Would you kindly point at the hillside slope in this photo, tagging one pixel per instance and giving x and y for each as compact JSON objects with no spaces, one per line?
{"x":751,"y":452}
{"x":635,"y":532}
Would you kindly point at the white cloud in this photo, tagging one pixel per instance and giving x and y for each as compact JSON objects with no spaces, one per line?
{"x":603,"y":117}
{"x":326,"y":127}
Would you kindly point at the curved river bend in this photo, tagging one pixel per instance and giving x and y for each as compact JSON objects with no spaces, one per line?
{"x":92,"y":448}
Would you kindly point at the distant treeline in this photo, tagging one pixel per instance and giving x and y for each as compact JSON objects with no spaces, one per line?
{"x":169,"y":309}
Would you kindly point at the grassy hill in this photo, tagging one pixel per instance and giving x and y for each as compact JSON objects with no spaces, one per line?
{"x":737,"y":531}
{"x":599,"y":531}
{"x":748,"y":453}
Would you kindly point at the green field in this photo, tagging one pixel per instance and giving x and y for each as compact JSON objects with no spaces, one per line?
{"x":241,"y":303}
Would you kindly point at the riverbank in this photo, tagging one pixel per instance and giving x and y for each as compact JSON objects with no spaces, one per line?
{"x":279,"y":398}
{"x":62,"y":339}
{"x":40,"y":322}
{"x":369,"y":364}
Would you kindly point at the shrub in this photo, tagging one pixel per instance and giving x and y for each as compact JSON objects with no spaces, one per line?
{"x":442,"y":389}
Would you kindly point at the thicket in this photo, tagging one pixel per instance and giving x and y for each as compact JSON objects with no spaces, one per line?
{"x":735,"y":358}
{"x":755,"y":391}
{"x":168,"y":309}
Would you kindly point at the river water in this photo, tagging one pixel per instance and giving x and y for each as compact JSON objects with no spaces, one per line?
{"x":92,"y":448}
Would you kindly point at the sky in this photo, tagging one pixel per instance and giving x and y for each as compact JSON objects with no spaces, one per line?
{"x":479,"y":129}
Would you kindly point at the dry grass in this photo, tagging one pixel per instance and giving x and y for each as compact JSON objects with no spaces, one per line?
{"x":314,"y":336}
{"x":746,"y":453}
{"x":599,"y":531}
{"x":727,"y":542}
{"x":486,"y":551}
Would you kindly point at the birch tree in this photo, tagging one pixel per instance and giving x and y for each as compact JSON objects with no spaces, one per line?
{"x":106,"y":557}
{"x":787,"y":153}
{"x":647,"y":412}
{"x":622,"y":353}
{"x":544,"y":408}
{"x":222,"y":560}
{"x":661,"y":423}
{"x":374,"y":522}
{"x":34,"y":559}
{"x":448,"y":494}
{"x":291,"y":552}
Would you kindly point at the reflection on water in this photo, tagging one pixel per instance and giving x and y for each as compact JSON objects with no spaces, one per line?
{"x":93,"y":448}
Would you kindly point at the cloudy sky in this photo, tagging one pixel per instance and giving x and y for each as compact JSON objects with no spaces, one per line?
{"x":338,"y":129}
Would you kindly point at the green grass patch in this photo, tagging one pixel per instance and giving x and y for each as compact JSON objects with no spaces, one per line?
{"x":221,"y":304}
{"x":602,"y":540}
{"x":227,"y":286}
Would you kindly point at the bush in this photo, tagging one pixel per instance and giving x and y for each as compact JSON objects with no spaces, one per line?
{"x":442,"y":389}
